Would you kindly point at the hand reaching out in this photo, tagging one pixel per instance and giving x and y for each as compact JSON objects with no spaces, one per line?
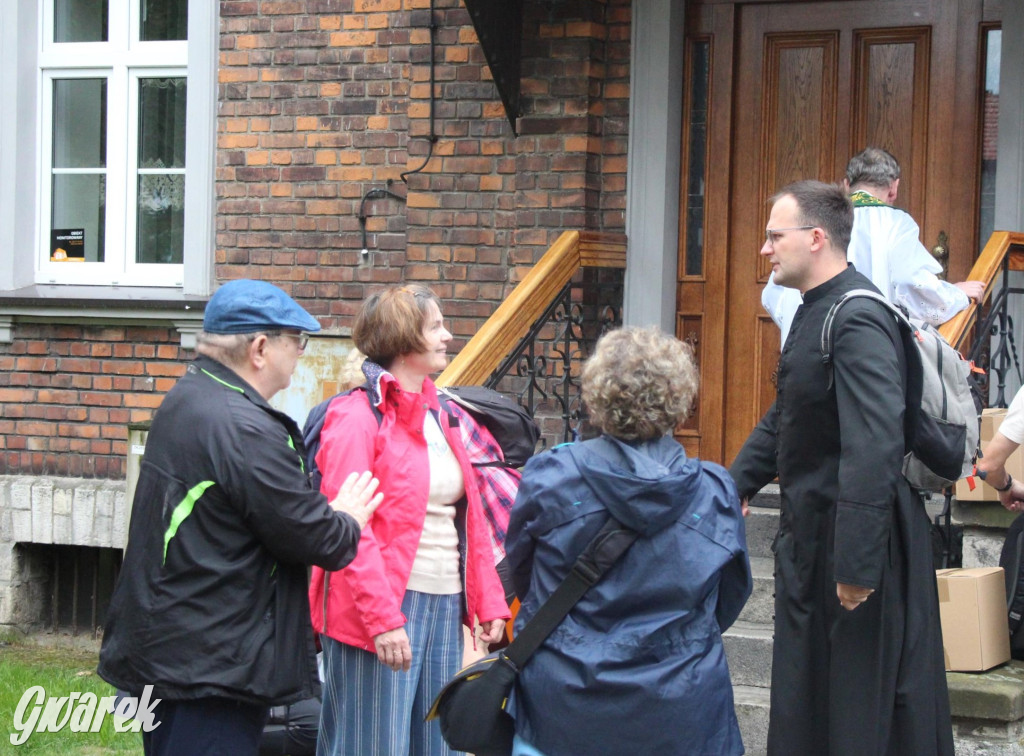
{"x":973,"y":289}
{"x":356,"y":497}
{"x":1013,"y":500}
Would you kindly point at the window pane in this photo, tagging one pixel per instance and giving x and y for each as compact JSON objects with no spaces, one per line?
{"x":79,"y":203}
{"x":79,"y":123}
{"x":696,"y":156}
{"x":80,"y":20}
{"x":162,"y":123}
{"x":164,"y":20}
{"x":161,"y":219}
{"x":990,"y":136}
{"x":161,"y":182}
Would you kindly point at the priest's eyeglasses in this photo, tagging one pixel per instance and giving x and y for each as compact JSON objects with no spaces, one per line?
{"x":771,"y":235}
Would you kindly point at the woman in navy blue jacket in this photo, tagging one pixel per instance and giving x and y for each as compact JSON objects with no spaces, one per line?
{"x":638,"y":665}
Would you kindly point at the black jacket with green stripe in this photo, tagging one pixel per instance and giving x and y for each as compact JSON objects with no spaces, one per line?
{"x":211,"y":599}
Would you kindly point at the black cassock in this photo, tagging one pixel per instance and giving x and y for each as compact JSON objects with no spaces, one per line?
{"x":870,"y":681}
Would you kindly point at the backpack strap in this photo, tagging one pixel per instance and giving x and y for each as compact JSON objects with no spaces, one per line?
{"x":828,"y":326}
{"x":442,"y":399}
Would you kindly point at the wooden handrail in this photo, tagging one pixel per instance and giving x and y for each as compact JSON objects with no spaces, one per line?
{"x":986,"y":267}
{"x":531,"y":296}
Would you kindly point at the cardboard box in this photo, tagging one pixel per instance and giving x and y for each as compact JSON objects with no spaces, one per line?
{"x":972,"y":606}
{"x":991,"y":419}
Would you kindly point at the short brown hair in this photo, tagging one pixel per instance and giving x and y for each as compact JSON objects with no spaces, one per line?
{"x":390,"y":323}
{"x":639,"y":384}
{"x":824,"y":206}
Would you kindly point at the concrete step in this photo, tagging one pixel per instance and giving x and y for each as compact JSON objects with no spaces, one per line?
{"x":769,"y":496}
{"x":987,"y":708}
{"x":748,"y":648}
{"x":761,"y":525}
{"x":752,"y":714}
{"x":760,"y":607}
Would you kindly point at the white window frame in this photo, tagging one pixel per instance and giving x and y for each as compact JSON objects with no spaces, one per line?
{"x":24,"y":213}
{"x":122,"y":60}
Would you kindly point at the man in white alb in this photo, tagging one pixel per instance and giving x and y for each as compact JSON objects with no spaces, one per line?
{"x":885,"y":247}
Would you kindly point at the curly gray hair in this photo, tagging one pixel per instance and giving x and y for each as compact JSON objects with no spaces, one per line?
{"x":640,"y":383}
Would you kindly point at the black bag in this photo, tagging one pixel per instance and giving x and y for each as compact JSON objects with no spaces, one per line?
{"x":1011,"y":559}
{"x":291,"y":729}
{"x":471,"y":706}
{"x":510,"y":424}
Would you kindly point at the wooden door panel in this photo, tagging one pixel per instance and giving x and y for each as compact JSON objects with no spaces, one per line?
{"x":890,"y":102}
{"x":690,"y":328}
{"x":798,"y":125}
{"x":766,"y":366}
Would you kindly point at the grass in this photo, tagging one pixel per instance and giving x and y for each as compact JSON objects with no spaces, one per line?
{"x":60,"y":668}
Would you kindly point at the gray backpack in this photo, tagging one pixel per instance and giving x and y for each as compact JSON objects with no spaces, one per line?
{"x":941,"y":422}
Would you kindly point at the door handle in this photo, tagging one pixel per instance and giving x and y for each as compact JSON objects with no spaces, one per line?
{"x":941,"y":251}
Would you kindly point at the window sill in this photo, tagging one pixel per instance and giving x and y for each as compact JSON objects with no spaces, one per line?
{"x":96,"y":305}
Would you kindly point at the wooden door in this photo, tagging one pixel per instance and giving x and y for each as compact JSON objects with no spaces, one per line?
{"x":795,"y":89}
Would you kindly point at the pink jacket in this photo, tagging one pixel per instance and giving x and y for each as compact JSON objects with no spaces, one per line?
{"x":365,"y":598}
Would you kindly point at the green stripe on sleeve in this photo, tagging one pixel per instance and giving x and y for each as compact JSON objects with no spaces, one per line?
{"x":291,"y":443}
{"x":182,"y":511}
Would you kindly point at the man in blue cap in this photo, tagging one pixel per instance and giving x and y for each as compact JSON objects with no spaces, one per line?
{"x":210,"y":609}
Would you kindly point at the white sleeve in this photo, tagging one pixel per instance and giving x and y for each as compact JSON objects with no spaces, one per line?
{"x":782,"y":304}
{"x":1013,"y":424}
{"x":913,"y":278}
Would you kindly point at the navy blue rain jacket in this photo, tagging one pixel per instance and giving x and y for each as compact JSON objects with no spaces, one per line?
{"x":638,"y":665}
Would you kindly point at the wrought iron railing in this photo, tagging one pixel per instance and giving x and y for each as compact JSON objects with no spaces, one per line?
{"x":534,"y":345}
{"x":985,"y":332}
{"x":994,"y":346}
{"x":543,"y":371}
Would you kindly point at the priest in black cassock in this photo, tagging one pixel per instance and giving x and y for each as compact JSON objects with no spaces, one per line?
{"x":857,"y":666}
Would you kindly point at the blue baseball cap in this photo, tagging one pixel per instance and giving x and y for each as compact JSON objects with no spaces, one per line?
{"x":247,"y":306}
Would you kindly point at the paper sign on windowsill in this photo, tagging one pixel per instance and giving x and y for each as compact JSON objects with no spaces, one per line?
{"x":67,"y":245}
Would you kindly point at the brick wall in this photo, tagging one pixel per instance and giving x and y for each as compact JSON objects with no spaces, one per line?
{"x":321,"y":101}
{"x":67,"y":394}
{"x":318,"y":109}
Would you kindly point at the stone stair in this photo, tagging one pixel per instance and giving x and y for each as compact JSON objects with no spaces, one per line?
{"x":987,"y":708}
{"x":748,"y":643}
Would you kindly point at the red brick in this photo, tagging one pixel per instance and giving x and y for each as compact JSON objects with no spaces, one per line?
{"x":34,"y":428}
{"x":17,"y":395}
{"x":99,"y":399}
{"x":150,"y":401}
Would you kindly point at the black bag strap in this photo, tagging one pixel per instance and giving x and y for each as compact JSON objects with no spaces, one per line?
{"x":610,"y":543}
{"x":603,"y":551}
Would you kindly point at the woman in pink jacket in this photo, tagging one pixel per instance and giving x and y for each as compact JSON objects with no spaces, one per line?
{"x":391,"y":621}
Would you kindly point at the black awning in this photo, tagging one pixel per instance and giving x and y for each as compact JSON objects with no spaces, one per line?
{"x":499,"y":26}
